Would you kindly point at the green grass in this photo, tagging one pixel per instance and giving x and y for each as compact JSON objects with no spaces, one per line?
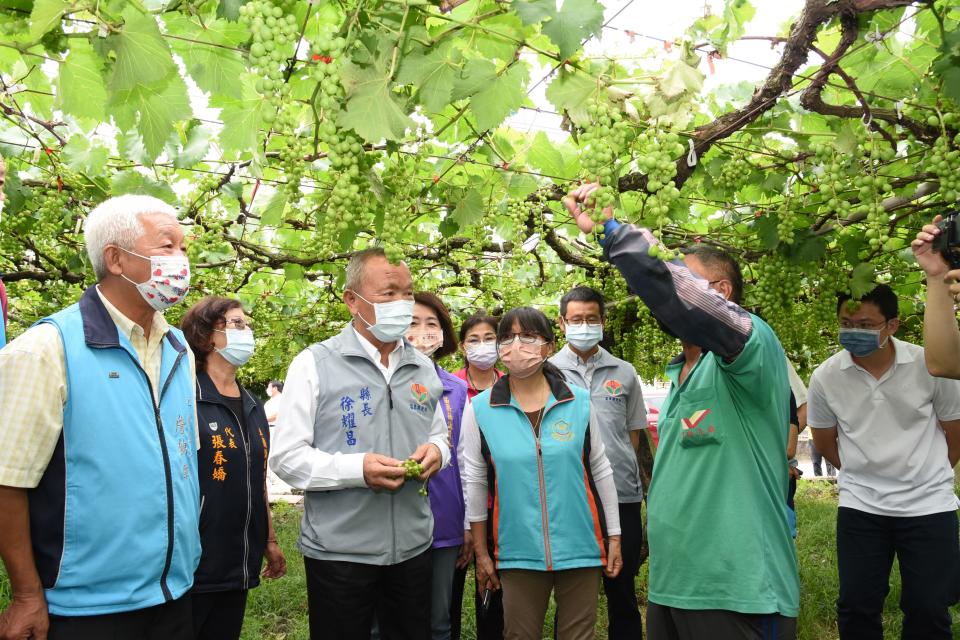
{"x":278,"y":610}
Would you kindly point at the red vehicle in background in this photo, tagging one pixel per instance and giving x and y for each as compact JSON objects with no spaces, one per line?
{"x":653,"y":399}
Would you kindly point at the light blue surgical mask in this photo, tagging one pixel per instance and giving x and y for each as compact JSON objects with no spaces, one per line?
{"x":392,"y":319}
{"x":239,"y":347}
{"x":861,"y":342}
{"x":584,"y":336}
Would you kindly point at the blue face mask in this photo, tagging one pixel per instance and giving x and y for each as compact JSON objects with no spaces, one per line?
{"x":861,"y":342}
{"x":239,"y":346}
{"x":584,"y":336}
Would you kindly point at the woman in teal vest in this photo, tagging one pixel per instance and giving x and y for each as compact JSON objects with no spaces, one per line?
{"x":554,"y":522}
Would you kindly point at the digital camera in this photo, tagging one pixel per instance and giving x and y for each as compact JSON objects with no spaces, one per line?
{"x":947,"y":243}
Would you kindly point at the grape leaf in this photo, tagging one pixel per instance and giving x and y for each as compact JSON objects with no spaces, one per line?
{"x":230,"y":9}
{"x":433,"y":73}
{"x":568,"y":27}
{"x":131,"y":181}
{"x":680,"y":78}
{"x":194,"y":149}
{"x":210,"y":62}
{"x":160,"y":106}
{"x":83,"y":157}
{"x":476,"y":75}
{"x":570,"y":92}
{"x":241,"y":119}
{"x":82,"y":92}
{"x":501,"y":97}
{"x":142,"y":55}
{"x":469,"y":209}
{"x":45,"y":16}
{"x":544,"y":156}
{"x":863,"y":280}
{"x":372,"y":111}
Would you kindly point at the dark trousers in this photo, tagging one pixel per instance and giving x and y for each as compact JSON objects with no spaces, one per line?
{"x":622,"y":608}
{"x":489,"y":619}
{"x":817,"y":458}
{"x":219,"y":615}
{"x":169,"y":621}
{"x":456,"y":602}
{"x":929,"y":557}
{"x":344,"y":597}
{"x":669,"y":623}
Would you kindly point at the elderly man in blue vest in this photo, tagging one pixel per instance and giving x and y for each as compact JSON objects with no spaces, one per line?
{"x":98,"y":462}
{"x":355,"y":407}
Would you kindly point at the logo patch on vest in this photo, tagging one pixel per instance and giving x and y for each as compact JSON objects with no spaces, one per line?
{"x":613,"y":387}
{"x":561,"y":431}
{"x":214,"y":426}
{"x":113,"y":375}
{"x":419,"y":393}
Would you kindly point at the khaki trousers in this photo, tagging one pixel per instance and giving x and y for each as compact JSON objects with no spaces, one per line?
{"x":526,"y":595}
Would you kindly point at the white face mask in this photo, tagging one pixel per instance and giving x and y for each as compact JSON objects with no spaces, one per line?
{"x":482,"y":356}
{"x":584,"y":336}
{"x":239,"y":347}
{"x":169,"y":280}
{"x":392,"y":319}
{"x":427,"y":341}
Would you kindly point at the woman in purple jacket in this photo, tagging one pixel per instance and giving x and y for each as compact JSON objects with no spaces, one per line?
{"x":431,"y":332}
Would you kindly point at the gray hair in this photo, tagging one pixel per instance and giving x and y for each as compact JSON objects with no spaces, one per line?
{"x":116,"y":221}
{"x":357,"y":267}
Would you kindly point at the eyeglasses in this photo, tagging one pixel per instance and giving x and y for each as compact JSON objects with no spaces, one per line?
{"x":239,"y":323}
{"x":590,"y":321}
{"x":475,"y":341}
{"x":870,"y":326}
{"x":524,"y":338}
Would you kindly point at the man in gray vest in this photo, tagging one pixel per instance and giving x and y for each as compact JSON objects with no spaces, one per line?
{"x":617,"y":410}
{"x":355,"y":407}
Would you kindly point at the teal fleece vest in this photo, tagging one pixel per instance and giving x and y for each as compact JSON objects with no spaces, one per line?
{"x":546,"y":513}
{"x":114,"y":520}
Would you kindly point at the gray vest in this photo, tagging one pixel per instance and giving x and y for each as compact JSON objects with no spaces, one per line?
{"x":357,"y":412}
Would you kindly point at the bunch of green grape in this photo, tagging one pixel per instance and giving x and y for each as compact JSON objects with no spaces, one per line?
{"x":872,"y":188}
{"x":293,"y":164}
{"x":604,"y":141}
{"x":274,"y":35}
{"x":944,"y":161}
{"x":831,"y":178}
{"x":412,"y":470}
{"x":733,"y":174}
{"x":349,"y":168}
{"x":327,"y":58}
{"x":778,"y":282}
{"x":518,"y":211}
{"x":657,"y":151}
{"x":52,"y":211}
{"x":400,"y":182}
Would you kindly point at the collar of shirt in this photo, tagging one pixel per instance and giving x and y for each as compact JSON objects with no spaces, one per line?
{"x":901,"y":356}
{"x":130,"y":328}
{"x":392,"y":360}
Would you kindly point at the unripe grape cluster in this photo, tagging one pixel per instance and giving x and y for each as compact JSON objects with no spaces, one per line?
{"x":872,"y":188}
{"x":519,"y":212}
{"x":399,"y":179}
{"x":412,"y":470}
{"x":349,"y":167}
{"x":657,"y":151}
{"x":944,"y":161}
{"x":604,"y":141}
{"x":327,"y":59}
{"x":292,"y":153}
{"x":733,"y":174}
{"x":274,"y":34}
{"x":831,"y":178}
{"x":778,"y":281}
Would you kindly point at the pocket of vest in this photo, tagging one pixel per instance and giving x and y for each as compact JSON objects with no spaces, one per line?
{"x":698,"y":422}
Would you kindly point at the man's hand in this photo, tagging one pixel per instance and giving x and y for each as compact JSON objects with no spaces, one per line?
{"x":25,"y":619}
{"x":276,"y":563}
{"x":382,"y":472}
{"x":614,"y":558}
{"x":795,"y":473}
{"x":581,"y":215}
{"x":929,"y":260}
{"x":486,"y":573}
{"x":428,"y":455}
{"x":466,"y":551}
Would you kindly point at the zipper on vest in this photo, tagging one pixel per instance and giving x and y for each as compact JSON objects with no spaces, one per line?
{"x":246,"y":526}
{"x":548,"y":557}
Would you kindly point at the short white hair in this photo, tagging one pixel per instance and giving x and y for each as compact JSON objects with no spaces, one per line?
{"x":116,"y":221}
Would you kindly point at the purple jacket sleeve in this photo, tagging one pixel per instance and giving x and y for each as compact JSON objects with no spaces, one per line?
{"x":681,"y":301}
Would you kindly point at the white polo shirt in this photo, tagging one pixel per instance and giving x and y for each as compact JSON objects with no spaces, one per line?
{"x":892,"y":450}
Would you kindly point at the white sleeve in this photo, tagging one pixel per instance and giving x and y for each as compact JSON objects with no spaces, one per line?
{"x":796,"y":385}
{"x":946,"y":398}
{"x":474,"y":467}
{"x":294,"y":458}
{"x":438,"y":435}
{"x":819,"y":413}
{"x":463,"y":477}
{"x":603,"y":478}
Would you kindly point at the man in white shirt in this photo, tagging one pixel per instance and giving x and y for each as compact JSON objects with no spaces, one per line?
{"x":355,"y":406}
{"x":893,"y":431}
{"x":272,"y":405}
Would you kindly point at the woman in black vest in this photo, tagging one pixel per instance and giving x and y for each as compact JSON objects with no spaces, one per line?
{"x":236,"y":529}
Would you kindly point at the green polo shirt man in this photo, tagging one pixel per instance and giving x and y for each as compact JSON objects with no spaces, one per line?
{"x":722,"y":561}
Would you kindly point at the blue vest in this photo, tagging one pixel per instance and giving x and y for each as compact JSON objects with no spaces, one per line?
{"x":546,"y":514}
{"x":114,"y":520}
